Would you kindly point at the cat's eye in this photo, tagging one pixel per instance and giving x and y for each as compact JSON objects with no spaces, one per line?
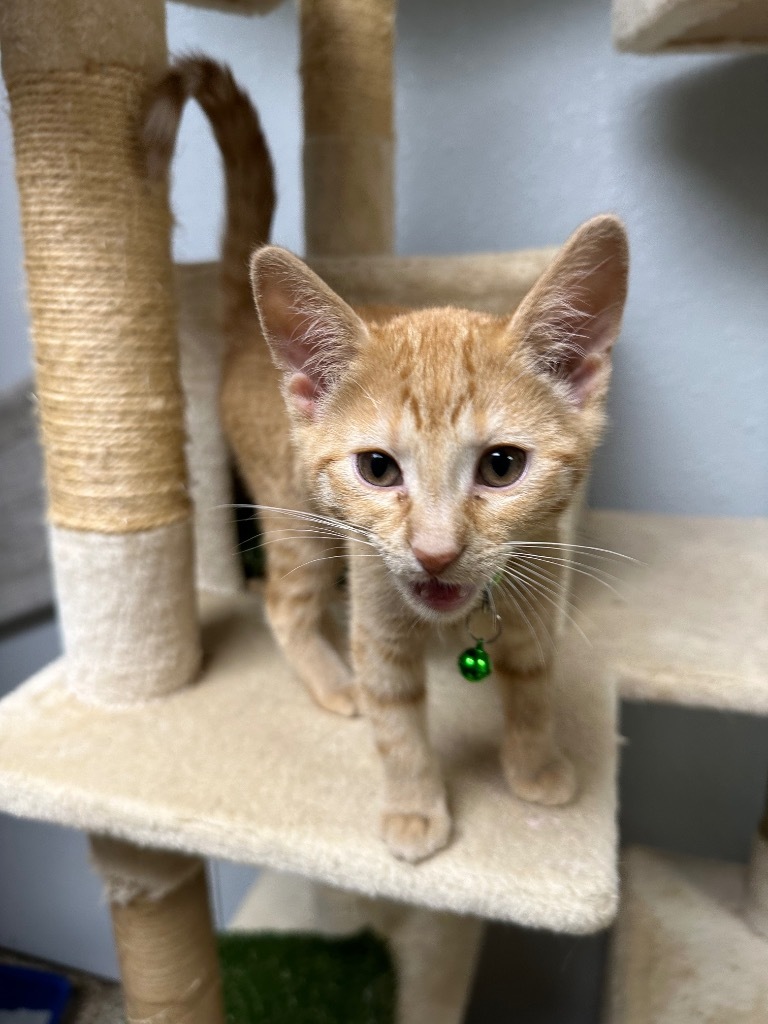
{"x":379,"y":469}
{"x":502,"y":466}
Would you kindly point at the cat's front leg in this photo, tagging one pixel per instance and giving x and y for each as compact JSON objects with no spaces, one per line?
{"x":388,"y":659}
{"x":534,"y":766}
{"x":415,"y":819}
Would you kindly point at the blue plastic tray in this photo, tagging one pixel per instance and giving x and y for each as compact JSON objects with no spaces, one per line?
{"x":25,"y":988}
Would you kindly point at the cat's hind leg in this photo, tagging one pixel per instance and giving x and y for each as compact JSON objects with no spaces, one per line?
{"x":303,"y":568}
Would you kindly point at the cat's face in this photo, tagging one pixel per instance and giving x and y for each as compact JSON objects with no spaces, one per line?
{"x":444,"y":445}
{"x":445,"y":436}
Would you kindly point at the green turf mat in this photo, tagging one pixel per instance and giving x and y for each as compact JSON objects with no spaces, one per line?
{"x":305,"y":979}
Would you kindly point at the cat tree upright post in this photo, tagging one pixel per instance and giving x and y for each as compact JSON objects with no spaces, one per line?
{"x":99,"y":274}
{"x":346,"y":68}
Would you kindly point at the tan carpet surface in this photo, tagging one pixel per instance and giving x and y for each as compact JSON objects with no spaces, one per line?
{"x":688,"y":622}
{"x":681,"y":951}
{"x":243,"y":766}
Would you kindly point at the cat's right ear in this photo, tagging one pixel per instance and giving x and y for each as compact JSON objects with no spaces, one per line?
{"x":312,"y":333}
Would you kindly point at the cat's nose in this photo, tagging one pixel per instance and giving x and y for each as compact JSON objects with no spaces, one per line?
{"x":434,"y":561}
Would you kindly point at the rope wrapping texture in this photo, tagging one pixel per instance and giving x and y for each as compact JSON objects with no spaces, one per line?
{"x":101,"y":298}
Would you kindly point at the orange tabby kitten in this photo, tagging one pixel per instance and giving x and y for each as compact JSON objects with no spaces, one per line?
{"x":445,"y":449}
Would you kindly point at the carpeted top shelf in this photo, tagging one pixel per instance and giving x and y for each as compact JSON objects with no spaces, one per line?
{"x":659,"y":26}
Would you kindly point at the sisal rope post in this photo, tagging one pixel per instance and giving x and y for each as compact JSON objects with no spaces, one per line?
{"x":346,"y":65}
{"x":100,"y":291}
{"x":163,"y":934}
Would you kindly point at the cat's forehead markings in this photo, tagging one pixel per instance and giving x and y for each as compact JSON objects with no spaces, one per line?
{"x":409,"y":402}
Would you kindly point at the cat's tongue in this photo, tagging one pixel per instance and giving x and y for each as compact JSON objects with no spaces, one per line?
{"x":441,"y":597}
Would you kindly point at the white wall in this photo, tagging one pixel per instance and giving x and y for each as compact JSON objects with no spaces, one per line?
{"x":516,"y":121}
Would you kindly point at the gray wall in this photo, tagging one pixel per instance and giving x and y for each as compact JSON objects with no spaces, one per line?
{"x":516,"y":121}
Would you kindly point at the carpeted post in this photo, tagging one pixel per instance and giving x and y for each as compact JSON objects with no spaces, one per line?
{"x":101,"y":295}
{"x":163,"y":933}
{"x":100,"y":288}
{"x":346,"y":65}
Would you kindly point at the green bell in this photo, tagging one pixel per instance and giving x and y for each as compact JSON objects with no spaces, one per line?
{"x":475,"y":664}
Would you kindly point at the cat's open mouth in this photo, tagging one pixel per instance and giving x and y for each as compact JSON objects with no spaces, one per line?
{"x":441,"y":597}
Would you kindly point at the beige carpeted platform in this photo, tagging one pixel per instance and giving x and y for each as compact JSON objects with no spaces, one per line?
{"x":654,"y":26}
{"x":243,"y":766}
{"x":681,"y":952}
{"x":689,"y":623}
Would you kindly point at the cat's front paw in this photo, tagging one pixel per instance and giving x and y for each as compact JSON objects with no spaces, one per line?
{"x":414,"y":836}
{"x":342,"y":701}
{"x":552,"y":783}
{"x":335,"y":693}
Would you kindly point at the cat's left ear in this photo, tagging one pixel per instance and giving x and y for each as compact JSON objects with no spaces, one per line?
{"x":570,"y":319}
{"x":312,"y":333}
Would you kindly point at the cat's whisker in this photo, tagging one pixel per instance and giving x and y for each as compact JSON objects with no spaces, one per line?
{"x":512,"y":584}
{"x":302,"y":537}
{"x":547,"y":582}
{"x":342,"y":546}
{"x":534,"y":587}
{"x":328,"y":523}
{"x":513,"y":592}
{"x":310,"y":535}
{"x":312,"y":561}
{"x":592,"y":575}
{"x":288,"y":540}
{"x":510,"y":592}
{"x":312,"y":517}
{"x":558,"y":600}
{"x":582,"y":548}
{"x":264,"y":541}
{"x":569,"y":563}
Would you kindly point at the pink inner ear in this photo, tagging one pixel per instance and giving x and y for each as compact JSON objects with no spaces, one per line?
{"x":583,"y":378}
{"x":582,"y":368}
{"x":311,"y":332}
{"x":303,"y":393}
{"x":285,"y":327}
{"x":571,"y":317}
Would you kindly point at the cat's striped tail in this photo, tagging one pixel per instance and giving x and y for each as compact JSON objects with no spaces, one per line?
{"x":250,"y":192}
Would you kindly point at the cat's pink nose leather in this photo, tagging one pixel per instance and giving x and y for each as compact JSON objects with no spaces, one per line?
{"x":434,"y":562}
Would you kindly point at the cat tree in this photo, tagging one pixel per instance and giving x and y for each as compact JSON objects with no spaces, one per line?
{"x":691,"y":940}
{"x":163,"y":730}
{"x":159,"y":761}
